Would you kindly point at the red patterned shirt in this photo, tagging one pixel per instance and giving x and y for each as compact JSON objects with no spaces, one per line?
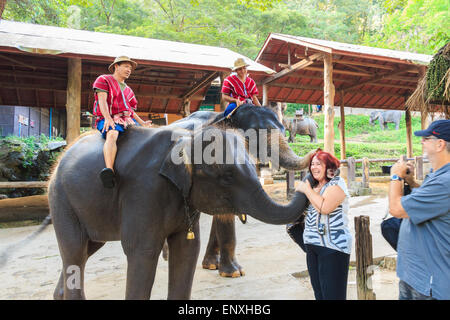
{"x":234,"y":87}
{"x":118,"y":100}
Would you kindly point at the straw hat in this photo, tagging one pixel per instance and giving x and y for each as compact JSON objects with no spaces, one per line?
{"x":121,"y":59}
{"x":239,"y":63}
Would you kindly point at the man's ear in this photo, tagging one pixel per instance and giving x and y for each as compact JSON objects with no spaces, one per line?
{"x":177,"y":166}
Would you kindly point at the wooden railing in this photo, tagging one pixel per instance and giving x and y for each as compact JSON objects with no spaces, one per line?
{"x":23,"y":184}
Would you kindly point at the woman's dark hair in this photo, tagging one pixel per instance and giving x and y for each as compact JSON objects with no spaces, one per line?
{"x":330,"y":161}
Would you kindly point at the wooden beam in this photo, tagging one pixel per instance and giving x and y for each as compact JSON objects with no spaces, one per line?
{"x":73,"y":101}
{"x":223,"y":103}
{"x":265,"y":101}
{"x":364,"y":258}
{"x":409,"y":150}
{"x":328,"y":95}
{"x":362,"y":63}
{"x":296,"y":66}
{"x":342,"y":127}
{"x":375,"y":78}
{"x":199,"y":85}
{"x":18,"y":62}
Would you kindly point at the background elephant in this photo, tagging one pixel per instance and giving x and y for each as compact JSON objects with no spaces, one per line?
{"x":305,"y":126}
{"x":220,"y":251}
{"x":156,"y":198}
{"x":384,"y":117}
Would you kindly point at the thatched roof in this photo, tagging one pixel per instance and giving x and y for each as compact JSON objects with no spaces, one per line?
{"x":433,"y":91}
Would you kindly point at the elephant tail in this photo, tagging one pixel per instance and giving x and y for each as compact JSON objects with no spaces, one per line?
{"x":4,"y":256}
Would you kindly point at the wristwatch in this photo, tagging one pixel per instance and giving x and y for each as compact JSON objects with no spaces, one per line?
{"x":395,"y":177}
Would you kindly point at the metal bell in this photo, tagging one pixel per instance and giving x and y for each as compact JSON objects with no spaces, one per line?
{"x":190,"y":235}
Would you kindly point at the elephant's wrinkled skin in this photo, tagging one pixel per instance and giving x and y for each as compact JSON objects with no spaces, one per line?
{"x":147,"y":206}
{"x":220,"y":252}
{"x":384,"y":117}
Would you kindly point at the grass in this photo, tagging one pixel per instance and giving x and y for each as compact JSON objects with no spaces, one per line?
{"x":364,"y":140}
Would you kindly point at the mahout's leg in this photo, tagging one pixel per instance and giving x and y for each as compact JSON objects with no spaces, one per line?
{"x":182,"y":262}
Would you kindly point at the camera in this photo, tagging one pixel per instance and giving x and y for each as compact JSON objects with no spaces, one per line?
{"x":321,"y":228}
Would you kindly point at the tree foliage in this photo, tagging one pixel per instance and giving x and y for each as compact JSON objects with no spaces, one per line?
{"x":243,"y":25}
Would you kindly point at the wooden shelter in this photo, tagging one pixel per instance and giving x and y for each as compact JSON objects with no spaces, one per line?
{"x":330,"y":73}
{"x":44,"y":66}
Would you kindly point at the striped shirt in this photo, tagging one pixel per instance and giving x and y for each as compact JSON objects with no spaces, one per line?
{"x":337,"y":233}
{"x":235,"y":88}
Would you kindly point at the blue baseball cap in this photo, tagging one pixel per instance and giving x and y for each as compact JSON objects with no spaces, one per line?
{"x":439,"y":128}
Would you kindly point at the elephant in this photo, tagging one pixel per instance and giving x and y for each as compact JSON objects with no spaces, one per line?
{"x":304,"y":126}
{"x":384,"y":117}
{"x":159,"y":195}
{"x":220,"y":252}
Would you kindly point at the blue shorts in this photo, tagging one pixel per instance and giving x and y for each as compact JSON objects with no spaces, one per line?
{"x":230,"y":108}
{"x":118,"y":127}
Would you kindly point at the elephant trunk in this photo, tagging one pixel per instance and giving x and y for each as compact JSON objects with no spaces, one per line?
{"x":263,"y":208}
{"x":288,"y":159}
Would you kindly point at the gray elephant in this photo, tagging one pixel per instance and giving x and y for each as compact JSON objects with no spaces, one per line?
{"x":159,"y":194}
{"x":303,"y":126}
{"x":220,"y":252}
{"x":384,"y":117}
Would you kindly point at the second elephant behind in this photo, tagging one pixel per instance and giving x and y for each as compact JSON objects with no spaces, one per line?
{"x":304,"y":126}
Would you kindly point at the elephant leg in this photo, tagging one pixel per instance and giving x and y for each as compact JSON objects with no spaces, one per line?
{"x":226,"y":236}
{"x":182,"y":262}
{"x":211,"y":258}
{"x":73,"y":247}
{"x":59,"y":290}
{"x":141,"y":269}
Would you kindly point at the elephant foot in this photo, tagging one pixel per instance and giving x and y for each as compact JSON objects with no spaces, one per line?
{"x":231,"y":270}
{"x":211,"y":262}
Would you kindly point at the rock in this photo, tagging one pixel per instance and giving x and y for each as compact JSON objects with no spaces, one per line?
{"x":3,"y":196}
{"x":53,"y":146}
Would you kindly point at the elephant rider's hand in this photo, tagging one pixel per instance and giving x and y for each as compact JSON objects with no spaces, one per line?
{"x":129,"y":122}
{"x":399,"y":168}
{"x":109,"y":122}
{"x":148,"y":123}
{"x":239,"y":102}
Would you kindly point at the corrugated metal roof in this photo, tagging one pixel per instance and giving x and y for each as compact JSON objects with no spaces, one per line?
{"x":340,"y":46}
{"x":56,"y":40}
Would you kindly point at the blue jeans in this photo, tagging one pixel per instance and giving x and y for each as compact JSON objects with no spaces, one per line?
{"x":406,"y":292}
{"x":328,"y":271}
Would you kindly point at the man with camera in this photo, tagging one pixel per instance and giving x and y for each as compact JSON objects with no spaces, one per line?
{"x":423,"y":261}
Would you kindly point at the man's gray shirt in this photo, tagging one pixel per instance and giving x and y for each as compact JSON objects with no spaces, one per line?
{"x":424,"y":241}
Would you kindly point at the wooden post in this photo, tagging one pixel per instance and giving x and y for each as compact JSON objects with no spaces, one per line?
{"x":342,"y":127}
{"x":365,"y":172}
{"x":186,"y":109}
{"x":73,"y":104}
{"x":328,"y":94}
{"x":364,"y":259}
{"x":351,"y":171}
{"x":265,"y":101}
{"x":419,"y":167}
{"x":290,"y":184}
{"x":409,"y":151}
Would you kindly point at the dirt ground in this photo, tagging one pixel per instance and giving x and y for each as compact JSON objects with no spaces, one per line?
{"x":273,"y":263}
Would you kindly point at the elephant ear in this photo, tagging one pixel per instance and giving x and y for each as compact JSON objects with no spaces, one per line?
{"x":177,"y":166}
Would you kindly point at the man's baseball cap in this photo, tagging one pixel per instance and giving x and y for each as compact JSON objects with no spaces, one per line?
{"x":439,"y":128}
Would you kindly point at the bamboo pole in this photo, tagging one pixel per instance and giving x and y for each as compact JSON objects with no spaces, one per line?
{"x":328,"y":104}
{"x":265,"y":101}
{"x":73,"y":104}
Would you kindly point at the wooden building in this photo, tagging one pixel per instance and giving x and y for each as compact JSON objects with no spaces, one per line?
{"x":52,"y":67}
{"x":314,"y":71}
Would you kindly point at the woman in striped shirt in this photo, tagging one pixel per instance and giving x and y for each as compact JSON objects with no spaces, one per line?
{"x":327,"y":236}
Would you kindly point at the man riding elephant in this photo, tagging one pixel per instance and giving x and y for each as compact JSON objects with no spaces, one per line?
{"x":239,"y":88}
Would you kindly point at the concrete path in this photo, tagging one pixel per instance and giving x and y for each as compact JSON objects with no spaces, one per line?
{"x":270,"y":259}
